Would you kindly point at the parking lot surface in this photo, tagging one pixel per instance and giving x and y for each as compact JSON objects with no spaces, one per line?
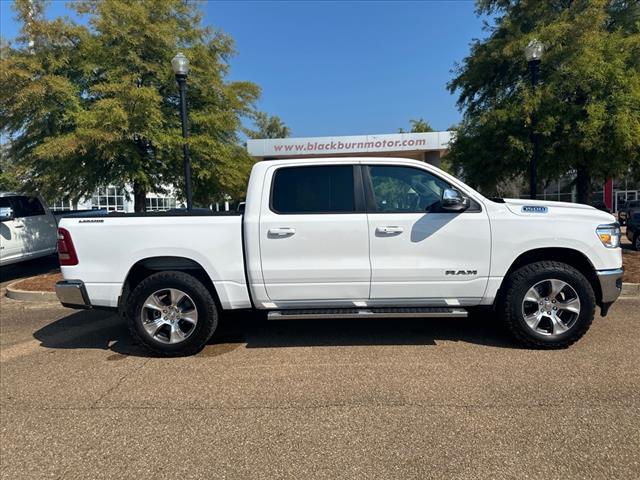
{"x":316,"y":399}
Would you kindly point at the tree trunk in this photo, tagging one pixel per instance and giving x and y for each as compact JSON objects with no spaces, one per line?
{"x":583,"y":185}
{"x":139,"y":197}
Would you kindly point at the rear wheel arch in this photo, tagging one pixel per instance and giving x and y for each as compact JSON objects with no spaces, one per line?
{"x":148,"y":266}
{"x":573,"y":258}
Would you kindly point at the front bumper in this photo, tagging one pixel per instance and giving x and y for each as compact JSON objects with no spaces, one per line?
{"x":610,"y":286}
{"x":72,"y":294}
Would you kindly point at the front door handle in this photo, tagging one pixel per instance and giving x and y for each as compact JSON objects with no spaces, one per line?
{"x":390,"y":230}
{"x":282,"y":232}
{"x":18,"y":224}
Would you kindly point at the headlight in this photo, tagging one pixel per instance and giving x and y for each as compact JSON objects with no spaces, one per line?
{"x":609,"y":235}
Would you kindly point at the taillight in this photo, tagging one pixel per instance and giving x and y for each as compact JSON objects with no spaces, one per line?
{"x":66,"y":250}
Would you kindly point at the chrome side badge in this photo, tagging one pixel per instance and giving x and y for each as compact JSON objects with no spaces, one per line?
{"x":534,"y":209}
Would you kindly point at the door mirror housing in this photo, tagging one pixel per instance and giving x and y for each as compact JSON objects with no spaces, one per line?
{"x":6,"y":214}
{"x":453,"y":200}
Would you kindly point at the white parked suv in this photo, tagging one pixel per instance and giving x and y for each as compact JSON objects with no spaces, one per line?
{"x":347,"y":237}
{"x":27,"y":228}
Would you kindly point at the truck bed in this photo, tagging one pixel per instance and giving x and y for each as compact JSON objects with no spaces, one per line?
{"x":109,"y":246}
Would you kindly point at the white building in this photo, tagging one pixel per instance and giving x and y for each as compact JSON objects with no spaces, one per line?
{"x":114,"y":199}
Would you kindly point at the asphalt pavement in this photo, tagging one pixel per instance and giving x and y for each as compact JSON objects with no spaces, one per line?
{"x":434,"y":398}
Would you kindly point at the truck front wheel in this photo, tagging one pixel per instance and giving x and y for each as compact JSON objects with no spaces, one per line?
{"x":547,"y":304}
{"x":172,"y":314}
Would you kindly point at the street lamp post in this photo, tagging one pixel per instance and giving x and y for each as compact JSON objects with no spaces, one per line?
{"x":533,"y":53}
{"x":180,"y":65}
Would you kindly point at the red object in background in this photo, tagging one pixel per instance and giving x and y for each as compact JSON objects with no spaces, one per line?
{"x":608,"y":194}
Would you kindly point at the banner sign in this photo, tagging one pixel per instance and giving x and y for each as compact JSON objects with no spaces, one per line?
{"x":396,"y":142}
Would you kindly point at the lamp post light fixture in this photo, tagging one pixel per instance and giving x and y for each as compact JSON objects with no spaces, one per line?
{"x":180,"y":65}
{"x":533,"y":53}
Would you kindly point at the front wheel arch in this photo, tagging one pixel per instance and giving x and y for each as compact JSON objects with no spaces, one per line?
{"x":571,"y":257}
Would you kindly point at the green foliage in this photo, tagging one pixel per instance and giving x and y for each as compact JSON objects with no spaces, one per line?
{"x":98,"y":105}
{"x":418,"y":126}
{"x":268,"y":127}
{"x":9,"y":181}
{"x":586,"y":106}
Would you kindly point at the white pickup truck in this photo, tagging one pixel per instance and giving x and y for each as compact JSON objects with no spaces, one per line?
{"x":27,"y":228}
{"x":347,"y":237}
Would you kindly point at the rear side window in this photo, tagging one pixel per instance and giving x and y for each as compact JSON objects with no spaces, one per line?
{"x":317,"y":189}
{"x":26,"y":206}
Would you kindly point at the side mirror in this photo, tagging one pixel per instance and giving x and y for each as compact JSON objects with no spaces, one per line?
{"x":453,"y":201}
{"x":6,"y":214}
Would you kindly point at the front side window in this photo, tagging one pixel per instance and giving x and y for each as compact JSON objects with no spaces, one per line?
{"x":26,"y":206}
{"x":316,"y":189}
{"x":398,"y":189}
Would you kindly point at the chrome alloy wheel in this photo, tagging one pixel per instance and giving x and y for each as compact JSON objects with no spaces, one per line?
{"x":169,"y":316}
{"x":551,"y":307}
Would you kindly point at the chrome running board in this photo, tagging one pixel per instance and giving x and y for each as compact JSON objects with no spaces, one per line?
{"x":338,"y":313}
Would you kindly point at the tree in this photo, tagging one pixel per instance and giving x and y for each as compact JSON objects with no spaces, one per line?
{"x":268,"y":127}
{"x":99,"y":105}
{"x":586,"y":105}
{"x":8,"y":178}
{"x":418,"y":126}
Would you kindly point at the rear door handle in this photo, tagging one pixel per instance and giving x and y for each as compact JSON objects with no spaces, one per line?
{"x":389,"y":230}
{"x":282,"y":231}
{"x":18,"y":224}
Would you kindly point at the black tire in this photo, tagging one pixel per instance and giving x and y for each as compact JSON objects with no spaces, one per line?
{"x":207,"y":312}
{"x":518,"y":283}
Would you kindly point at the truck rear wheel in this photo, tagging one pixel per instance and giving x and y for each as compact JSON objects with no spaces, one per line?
{"x":547,"y":304}
{"x":172,"y":314}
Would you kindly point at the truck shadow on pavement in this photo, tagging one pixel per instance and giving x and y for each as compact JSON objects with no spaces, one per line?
{"x":29,"y":268}
{"x":92,"y":329}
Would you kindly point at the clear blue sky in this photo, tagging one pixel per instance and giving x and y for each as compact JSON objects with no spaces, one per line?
{"x":341,"y":68}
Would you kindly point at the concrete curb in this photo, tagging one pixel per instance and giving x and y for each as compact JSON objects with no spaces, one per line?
{"x":630,"y":290}
{"x":29,"y":296}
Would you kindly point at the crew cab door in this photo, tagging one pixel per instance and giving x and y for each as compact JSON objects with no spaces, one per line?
{"x":314,"y":244}
{"x":419,"y":252}
{"x":37,"y":227}
{"x":10,"y":245}
{"x":31,"y":232}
